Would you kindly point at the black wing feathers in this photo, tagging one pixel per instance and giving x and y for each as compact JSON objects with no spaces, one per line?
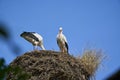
{"x":29,"y":34}
{"x":66,"y":46}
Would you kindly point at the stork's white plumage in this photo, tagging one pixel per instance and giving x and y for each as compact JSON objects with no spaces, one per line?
{"x":62,"y":41}
{"x":34,"y":38}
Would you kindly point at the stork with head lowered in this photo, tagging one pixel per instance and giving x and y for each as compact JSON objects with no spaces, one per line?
{"x":34,"y":38}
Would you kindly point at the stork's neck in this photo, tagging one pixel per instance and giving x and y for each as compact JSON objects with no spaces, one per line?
{"x":43,"y":48}
{"x":60,"y":32}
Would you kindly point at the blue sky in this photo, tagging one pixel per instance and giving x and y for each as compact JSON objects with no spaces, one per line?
{"x":86,"y":23}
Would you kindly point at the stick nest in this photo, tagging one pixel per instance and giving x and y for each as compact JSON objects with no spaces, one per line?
{"x":52,"y":65}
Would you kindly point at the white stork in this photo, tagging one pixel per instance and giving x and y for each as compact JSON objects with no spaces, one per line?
{"x":33,"y":38}
{"x":62,"y":41}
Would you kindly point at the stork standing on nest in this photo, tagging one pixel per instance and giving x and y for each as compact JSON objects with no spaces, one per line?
{"x":33,"y":38}
{"x":62,"y":41}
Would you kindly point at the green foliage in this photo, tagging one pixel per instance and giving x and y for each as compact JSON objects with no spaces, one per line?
{"x":3,"y":68}
{"x":15,"y":70}
{"x":4,"y":32}
{"x":5,"y":35}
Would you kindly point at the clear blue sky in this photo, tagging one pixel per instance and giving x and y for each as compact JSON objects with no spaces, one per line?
{"x":85,"y":23}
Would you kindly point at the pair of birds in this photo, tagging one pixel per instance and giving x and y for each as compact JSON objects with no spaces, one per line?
{"x":37,"y":40}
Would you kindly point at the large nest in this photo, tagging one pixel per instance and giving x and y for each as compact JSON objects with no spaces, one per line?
{"x":52,"y":65}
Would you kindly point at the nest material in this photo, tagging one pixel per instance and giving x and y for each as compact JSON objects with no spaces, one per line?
{"x":52,"y":65}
